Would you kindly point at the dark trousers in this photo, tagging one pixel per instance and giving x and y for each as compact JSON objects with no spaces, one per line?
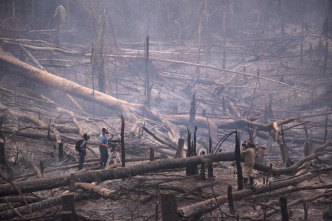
{"x":81,"y":160}
{"x":103,"y":156}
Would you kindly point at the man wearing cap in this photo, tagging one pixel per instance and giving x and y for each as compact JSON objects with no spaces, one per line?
{"x":103,"y":145}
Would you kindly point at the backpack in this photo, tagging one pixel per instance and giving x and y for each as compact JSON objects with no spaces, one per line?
{"x":78,"y":145}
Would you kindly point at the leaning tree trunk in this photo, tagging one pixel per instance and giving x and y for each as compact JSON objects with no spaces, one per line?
{"x":16,"y":66}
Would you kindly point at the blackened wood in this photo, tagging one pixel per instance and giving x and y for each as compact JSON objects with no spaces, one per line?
{"x":72,"y":183}
{"x":305,"y":208}
{"x":169,"y":211}
{"x":307,"y":148}
{"x":282,"y":7}
{"x":224,"y":35}
{"x":147,"y":78}
{"x":192,"y":111}
{"x":123,"y":158}
{"x":201,"y":175}
{"x":230,"y":200}
{"x":188,"y":172}
{"x":118,"y":173}
{"x":2,"y":154}
{"x":151,"y":154}
{"x":238,"y":162}
{"x":195,"y":137}
{"x":49,"y":131}
{"x":326,"y":125}
{"x":302,"y":39}
{"x":60,"y":152}
{"x":210,"y":168}
{"x":42,"y":168}
{"x":326,"y":54}
{"x":8,"y":214}
{"x":180,"y":148}
{"x":66,"y":216}
{"x":68,"y":207}
{"x":208,"y":205}
{"x":283,"y":207}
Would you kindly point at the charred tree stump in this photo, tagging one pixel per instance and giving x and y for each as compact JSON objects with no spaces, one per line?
{"x":283,"y":207}
{"x":151,"y":154}
{"x":169,"y":211}
{"x":68,"y":207}
{"x":210,"y":168}
{"x":190,"y":169}
{"x":230,"y":200}
{"x":201,"y":175}
{"x":72,"y":183}
{"x":2,"y":154}
{"x":202,"y":172}
{"x":42,"y":168}
{"x":180,"y":148}
{"x":307,"y":148}
{"x":238,"y":162}
{"x":305,"y":208}
{"x":60,"y":152}
{"x":123,"y":158}
{"x":188,"y":172}
{"x":326,"y":125}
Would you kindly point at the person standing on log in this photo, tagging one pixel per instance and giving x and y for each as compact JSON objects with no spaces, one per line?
{"x":249,"y":161}
{"x":82,"y":153}
{"x":103,"y":145}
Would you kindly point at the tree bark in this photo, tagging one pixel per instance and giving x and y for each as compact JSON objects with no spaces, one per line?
{"x":208,"y":205}
{"x":104,"y":192}
{"x":123,"y":172}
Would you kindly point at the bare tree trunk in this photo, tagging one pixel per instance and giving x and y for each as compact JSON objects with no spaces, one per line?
{"x":224,"y":35}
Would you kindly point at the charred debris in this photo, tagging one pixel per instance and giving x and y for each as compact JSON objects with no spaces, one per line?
{"x":179,"y":85}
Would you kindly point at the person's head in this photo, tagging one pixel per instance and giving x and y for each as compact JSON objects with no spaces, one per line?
{"x":86,"y":136}
{"x":248,"y":144}
{"x":104,"y":130}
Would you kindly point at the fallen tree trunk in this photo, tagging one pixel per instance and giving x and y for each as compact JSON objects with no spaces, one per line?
{"x":23,"y":210}
{"x":38,"y":206}
{"x":208,"y":205}
{"x":16,"y":66}
{"x":104,"y":192}
{"x":119,"y":173}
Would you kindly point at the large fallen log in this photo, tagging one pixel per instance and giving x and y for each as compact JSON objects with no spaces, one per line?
{"x":124,"y":172}
{"x":210,"y":204}
{"x":38,"y":206}
{"x":16,"y":66}
{"x":104,"y":192}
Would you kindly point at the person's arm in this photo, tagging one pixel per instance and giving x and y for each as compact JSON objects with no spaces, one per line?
{"x":83,"y":145}
{"x":101,"y":139}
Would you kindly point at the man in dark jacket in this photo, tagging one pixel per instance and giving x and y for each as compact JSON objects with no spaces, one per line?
{"x":82,"y":153}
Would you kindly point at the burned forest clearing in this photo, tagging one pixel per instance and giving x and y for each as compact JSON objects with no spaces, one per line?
{"x":181,"y":90}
